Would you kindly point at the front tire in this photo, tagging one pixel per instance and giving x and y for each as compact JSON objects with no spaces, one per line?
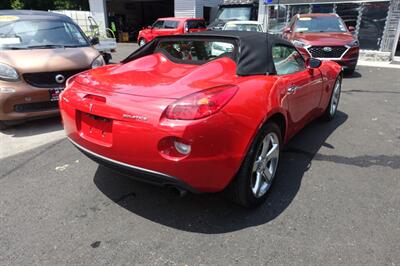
{"x":331,"y":110}
{"x":254,"y":180}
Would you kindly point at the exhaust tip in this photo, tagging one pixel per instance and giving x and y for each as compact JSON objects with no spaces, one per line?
{"x":176,"y":191}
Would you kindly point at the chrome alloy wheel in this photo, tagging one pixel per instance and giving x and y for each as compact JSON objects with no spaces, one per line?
{"x":335,"y":97}
{"x":265,"y":165}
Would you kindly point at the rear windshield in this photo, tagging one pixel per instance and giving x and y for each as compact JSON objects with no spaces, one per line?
{"x":196,"y":24}
{"x":196,"y":51}
{"x":320,"y":24}
{"x":29,"y":34}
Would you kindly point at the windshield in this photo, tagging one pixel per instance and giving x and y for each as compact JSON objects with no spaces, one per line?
{"x":234,"y":13}
{"x":320,"y":24}
{"x":25,"y":34}
{"x":243,"y":27}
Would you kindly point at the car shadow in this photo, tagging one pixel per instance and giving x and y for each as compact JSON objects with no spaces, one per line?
{"x":34,"y":127}
{"x":355,"y":75}
{"x":211,"y":213}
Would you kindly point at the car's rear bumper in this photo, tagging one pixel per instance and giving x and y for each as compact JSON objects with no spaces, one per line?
{"x":135,"y":172}
{"x":218,"y":143}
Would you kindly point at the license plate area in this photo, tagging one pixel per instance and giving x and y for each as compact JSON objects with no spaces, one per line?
{"x":96,"y":129}
{"x":54,"y":93}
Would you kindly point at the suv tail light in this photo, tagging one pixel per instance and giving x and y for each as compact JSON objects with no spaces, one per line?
{"x":201,"y":104}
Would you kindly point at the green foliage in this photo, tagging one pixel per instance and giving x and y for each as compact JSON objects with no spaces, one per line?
{"x":17,"y":4}
{"x":45,"y":4}
{"x":63,"y":4}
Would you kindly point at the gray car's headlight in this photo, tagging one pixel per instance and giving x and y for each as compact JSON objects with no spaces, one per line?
{"x":298,"y":43}
{"x":8,"y":73}
{"x":98,"y":62}
{"x":353,"y":43}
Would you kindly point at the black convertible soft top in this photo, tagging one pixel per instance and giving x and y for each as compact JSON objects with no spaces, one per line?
{"x":254,"y":54}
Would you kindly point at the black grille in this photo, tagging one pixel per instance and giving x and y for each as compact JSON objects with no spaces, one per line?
{"x":48,"y":79}
{"x":36,"y":107}
{"x":323,"y":51}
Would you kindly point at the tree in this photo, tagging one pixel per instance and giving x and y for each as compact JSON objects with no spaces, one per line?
{"x":17,"y":4}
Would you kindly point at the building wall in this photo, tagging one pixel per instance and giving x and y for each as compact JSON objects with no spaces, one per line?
{"x":392,"y":24}
{"x":99,"y":11}
{"x":185,"y":8}
{"x":193,"y":8}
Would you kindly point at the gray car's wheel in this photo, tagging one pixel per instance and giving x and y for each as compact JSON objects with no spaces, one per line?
{"x":254,"y":180}
{"x":334,"y":101}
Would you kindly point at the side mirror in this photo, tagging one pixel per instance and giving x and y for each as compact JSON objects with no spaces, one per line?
{"x":352,"y":29}
{"x":314,"y":63}
{"x":94,"y":40}
{"x":149,"y":27}
{"x":287,"y":30}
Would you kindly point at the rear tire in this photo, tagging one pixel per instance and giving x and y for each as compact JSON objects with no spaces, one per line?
{"x":253,"y":182}
{"x":332,"y":107}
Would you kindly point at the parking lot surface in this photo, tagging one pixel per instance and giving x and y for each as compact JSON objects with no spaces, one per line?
{"x":335,"y":202}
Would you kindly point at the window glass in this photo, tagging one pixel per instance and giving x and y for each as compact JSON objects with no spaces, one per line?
{"x":34,"y":33}
{"x":196,"y":24}
{"x":234,"y":13}
{"x":243,"y":27}
{"x":372,"y":25}
{"x":168,"y":24}
{"x":322,"y":8}
{"x":278,"y":18}
{"x":159,"y":24}
{"x":349,"y":13}
{"x":320,"y":24}
{"x":287,"y":60}
{"x":299,"y":9}
{"x":196,"y":51}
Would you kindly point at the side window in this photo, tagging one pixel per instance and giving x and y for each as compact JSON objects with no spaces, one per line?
{"x":159,"y":24}
{"x":287,"y":60}
{"x":196,"y":24}
{"x":171,"y":24}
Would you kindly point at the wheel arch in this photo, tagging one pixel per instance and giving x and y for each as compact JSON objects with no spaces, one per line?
{"x":279,"y":119}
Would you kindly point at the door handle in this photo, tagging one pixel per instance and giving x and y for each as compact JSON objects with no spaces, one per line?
{"x":292,"y":89}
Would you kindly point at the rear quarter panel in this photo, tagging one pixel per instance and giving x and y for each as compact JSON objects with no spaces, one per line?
{"x":258,"y":98}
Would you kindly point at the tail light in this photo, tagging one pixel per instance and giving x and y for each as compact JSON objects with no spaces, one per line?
{"x":201,"y":104}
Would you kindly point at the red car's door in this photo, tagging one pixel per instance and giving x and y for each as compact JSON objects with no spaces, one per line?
{"x":156,"y":28}
{"x":303,"y":86}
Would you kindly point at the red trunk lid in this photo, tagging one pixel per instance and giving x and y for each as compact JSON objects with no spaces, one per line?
{"x":156,"y":76}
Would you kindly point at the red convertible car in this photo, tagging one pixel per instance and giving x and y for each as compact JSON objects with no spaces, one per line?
{"x":178,"y":112}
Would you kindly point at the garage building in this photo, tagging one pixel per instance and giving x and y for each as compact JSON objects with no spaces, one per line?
{"x":132,"y":15}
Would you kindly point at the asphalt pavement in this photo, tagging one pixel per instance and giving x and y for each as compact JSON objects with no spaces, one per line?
{"x":335,"y":202}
